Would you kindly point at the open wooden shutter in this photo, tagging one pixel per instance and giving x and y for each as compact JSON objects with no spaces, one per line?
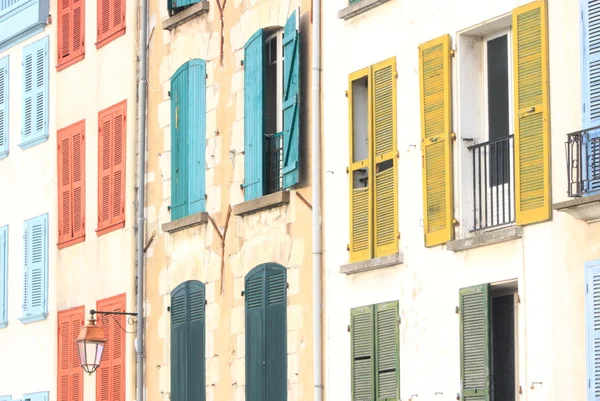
{"x":436,"y":143}
{"x":383,"y":78}
{"x":4,"y":91}
{"x":276,"y":333}
{"x":475,"y":360}
{"x":34,"y":121}
{"x":70,"y":377}
{"x":532,"y":114}
{"x":291,"y":101}
{"x":38,"y":265}
{"x":196,"y":167}
{"x":65,"y":195}
{"x":592,"y":310}
{"x":3,"y":275}
{"x":255,"y":335}
{"x":196,"y":342}
{"x":254,"y":71}
{"x":179,"y":343}
{"x":179,"y":149}
{"x":387,"y":352}
{"x":110,"y":377}
{"x":361,"y":214}
{"x":362,"y":353}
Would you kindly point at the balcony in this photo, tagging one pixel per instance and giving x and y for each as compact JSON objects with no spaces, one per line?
{"x":582,"y":151}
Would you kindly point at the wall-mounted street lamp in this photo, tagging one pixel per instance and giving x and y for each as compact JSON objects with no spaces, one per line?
{"x":91,"y":340}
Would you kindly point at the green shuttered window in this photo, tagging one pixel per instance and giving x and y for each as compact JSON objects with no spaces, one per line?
{"x":188,"y":377}
{"x":4,"y":92}
{"x":34,"y":104}
{"x":188,"y":139}
{"x":35,"y":269}
{"x":266,"y":333}
{"x":375,"y":350}
{"x":3,"y":276}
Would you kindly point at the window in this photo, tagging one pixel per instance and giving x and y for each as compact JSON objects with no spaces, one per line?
{"x":111,"y":21}
{"x":3,"y":276}
{"x":188,"y":139}
{"x":112,"y":141}
{"x":71,"y":32}
{"x":176,"y":6}
{"x":43,"y":396}
{"x":188,"y":340}
{"x":488,"y":317}
{"x":4,"y":111}
{"x":34,"y":106}
{"x":373,"y":168}
{"x":21,"y":19}
{"x":35,"y":269}
{"x":272,"y":110}
{"x":266,"y":334}
{"x":375,"y":352}
{"x":71,"y":190}
{"x":110,"y":376}
{"x":70,"y":374}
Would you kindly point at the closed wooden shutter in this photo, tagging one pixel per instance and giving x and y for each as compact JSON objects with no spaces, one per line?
{"x":436,"y":143}
{"x":34,"y":106}
{"x":255,"y":335}
{"x":3,"y":276}
{"x":110,"y":377}
{"x":111,"y":20}
{"x":254,"y":81}
{"x":196,"y":138}
{"x":112,"y":140}
{"x":362,"y":338}
{"x":475,"y":360}
{"x":387,"y":353}
{"x":383,"y":78}
{"x":275,"y":333}
{"x":35,"y":267}
{"x":4,"y":92}
{"x":71,"y":31}
{"x":179,"y":343}
{"x":532,"y":130}
{"x":592,"y":323}
{"x":179,"y":147}
{"x":70,"y":374}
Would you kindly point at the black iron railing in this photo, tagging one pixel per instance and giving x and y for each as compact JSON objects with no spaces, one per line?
{"x":274,"y":162}
{"x":583,"y":161}
{"x":493,"y":183}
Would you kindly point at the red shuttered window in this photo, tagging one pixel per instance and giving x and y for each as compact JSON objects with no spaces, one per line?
{"x":71,"y":184}
{"x":111,"y":167}
{"x":110,"y":376}
{"x":70,"y":374}
{"x":111,"y":21}
{"x":71,"y":32}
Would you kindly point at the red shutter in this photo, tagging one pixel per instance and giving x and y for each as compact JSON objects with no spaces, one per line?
{"x":110,"y":379}
{"x":64,"y":31}
{"x":78,"y":180}
{"x":70,"y":377}
{"x":64,"y":186}
{"x":118,"y":172}
{"x":71,"y":31}
{"x":111,"y":20}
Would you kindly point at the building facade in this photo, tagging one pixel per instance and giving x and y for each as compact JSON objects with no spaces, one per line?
{"x":229,"y":276}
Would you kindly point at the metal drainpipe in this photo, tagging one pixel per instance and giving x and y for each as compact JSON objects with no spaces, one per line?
{"x":141,"y":199}
{"x":316,"y":202}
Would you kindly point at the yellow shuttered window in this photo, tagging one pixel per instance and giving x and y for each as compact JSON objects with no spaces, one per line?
{"x":373,"y":171}
{"x":532,"y":117}
{"x":436,"y":144}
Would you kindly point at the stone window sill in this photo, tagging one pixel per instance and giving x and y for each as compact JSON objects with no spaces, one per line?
{"x":264,"y":202}
{"x":372,"y":264}
{"x":586,"y":208}
{"x":185,"y":222}
{"x":186,"y":15}
{"x":486,"y":238}
{"x":359,"y":7}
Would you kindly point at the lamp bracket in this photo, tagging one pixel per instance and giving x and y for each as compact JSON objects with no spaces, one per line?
{"x":131,"y":318}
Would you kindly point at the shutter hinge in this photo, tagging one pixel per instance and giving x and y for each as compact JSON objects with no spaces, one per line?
{"x":243,"y":293}
{"x":452,"y":52}
{"x":169,"y":93}
{"x":457,"y":310}
{"x":518,"y":299}
{"x":205,"y":302}
{"x":168,"y":309}
{"x":348,"y":328}
{"x":520,"y":390}
{"x":399,"y":320}
{"x":453,"y":136}
{"x":347,"y":170}
{"x":455,"y":223}
{"x":348,"y":247}
{"x":242,"y":63}
{"x":346,"y":93}
{"x":287,"y":286}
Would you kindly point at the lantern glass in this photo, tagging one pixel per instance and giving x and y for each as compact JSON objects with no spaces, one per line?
{"x":90,"y":354}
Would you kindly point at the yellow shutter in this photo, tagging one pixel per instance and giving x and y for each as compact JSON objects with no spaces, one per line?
{"x":385,"y":162}
{"x":436,"y":143}
{"x":360,"y":191}
{"x":532,"y":117}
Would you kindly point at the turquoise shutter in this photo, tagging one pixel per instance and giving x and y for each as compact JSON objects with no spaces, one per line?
{"x":4,"y":91}
{"x":291,"y":101}
{"x":387,"y":351}
{"x":362,"y":340}
{"x":592,"y":326}
{"x":3,"y":275}
{"x":36,"y":266}
{"x":254,"y":72}
{"x":197,"y":137}
{"x":174,"y":4}
{"x":179,"y":150}
{"x":591,"y":89}
{"x":179,"y":340}
{"x":276,"y":333}
{"x":255,"y":343}
{"x":34,"y":120}
{"x":196,"y":342}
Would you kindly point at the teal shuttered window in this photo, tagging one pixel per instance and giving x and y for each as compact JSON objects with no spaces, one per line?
{"x":266,"y":333}
{"x":3,"y":276}
{"x":271,"y":146}
{"x":375,"y":352}
{"x":188,"y":139}
{"x":592,"y":324}
{"x":34,"y":104}
{"x":35,"y":269}
{"x":188,"y":340}
{"x":4,"y":92}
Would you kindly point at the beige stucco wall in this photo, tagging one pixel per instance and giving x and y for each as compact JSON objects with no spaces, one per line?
{"x":548,"y":262}
{"x":281,"y":235}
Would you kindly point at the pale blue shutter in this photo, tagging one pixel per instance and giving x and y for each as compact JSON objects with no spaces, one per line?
{"x":592,"y":324}
{"x":35,"y":236}
{"x":34,"y":120}
{"x":3,"y":276}
{"x":179,"y":151}
{"x":4,"y":91}
{"x":291,"y":101}
{"x":42,"y":396}
{"x":254,"y":73}
{"x":6,"y":398}
{"x":591,"y":89}
{"x":197,"y":137}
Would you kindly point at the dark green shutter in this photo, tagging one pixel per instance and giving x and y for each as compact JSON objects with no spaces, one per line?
{"x":255,"y":347}
{"x":196,"y":342}
{"x":386,"y":351}
{"x":254,"y":72}
{"x":362,"y":358}
{"x":179,"y":341}
{"x":475,"y":343}
{"x":179,"y":153}
{"x":291,"y":101}
{"x":276,"y":333}
{"x":196,"y":146}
